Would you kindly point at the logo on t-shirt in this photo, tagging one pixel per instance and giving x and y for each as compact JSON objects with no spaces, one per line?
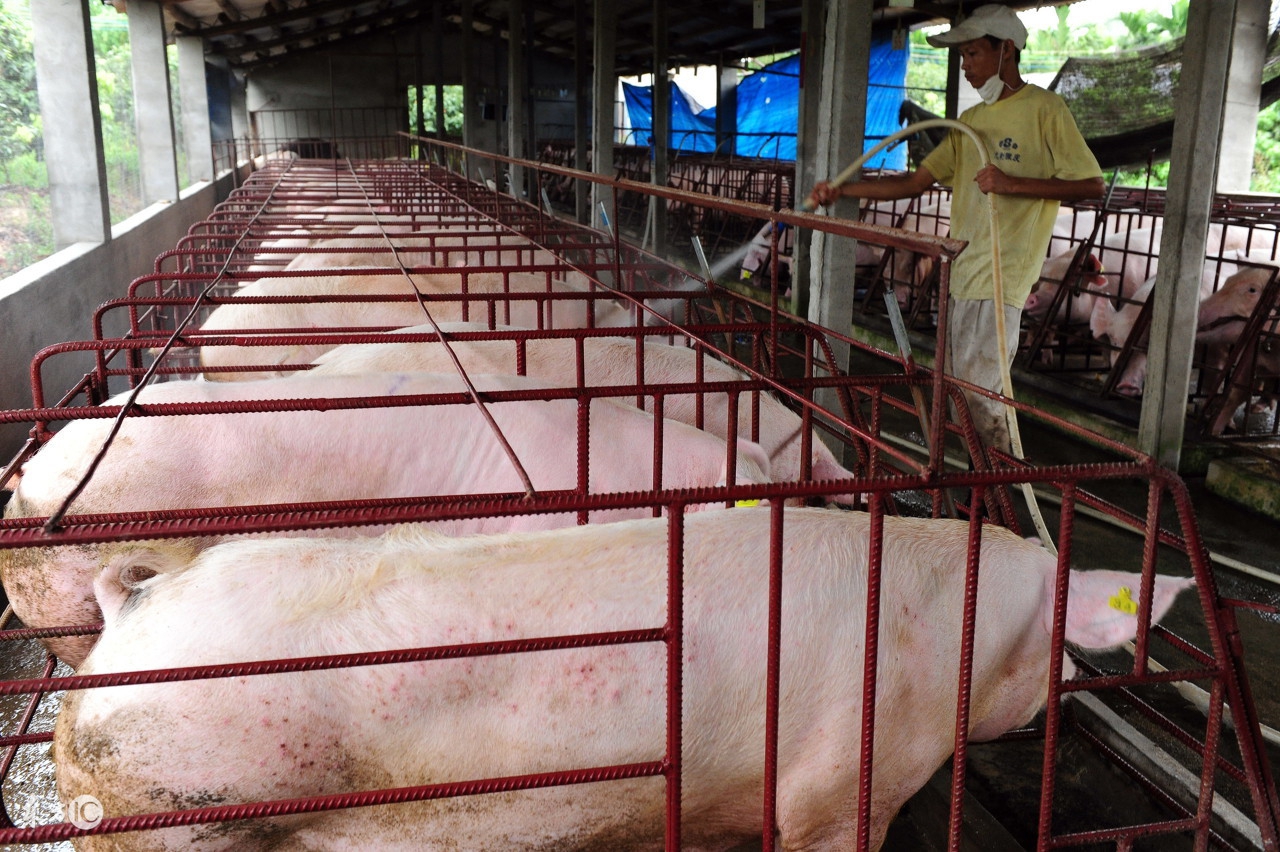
{"x":1007,"y":149}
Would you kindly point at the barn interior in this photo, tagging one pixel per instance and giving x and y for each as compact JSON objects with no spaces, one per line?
{"x":310,"y":139}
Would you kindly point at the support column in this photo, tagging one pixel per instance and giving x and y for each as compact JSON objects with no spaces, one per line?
{"x":1197,"y":129}
{"x":517,"y":85}
{"x":812,"y":71}
{"x":582,"y":110}
{"x":604,"y":85}
{"x":661,"y":145}
{"x":437,"y":28}
{"x":470,"y":91}
{"x":197,"y":132}
{"x":65,"y":83}
{"x":727,"y":108}
{"x":842,"y":119}
{"x":1244,"y":89}
{"x":152,"y":103}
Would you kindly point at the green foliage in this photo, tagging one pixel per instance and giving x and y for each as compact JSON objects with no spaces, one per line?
{"x":19,"y":110}
{"x":112,"y":58}
{"x":1266,"y":155}
{"x":453,"y":103}
{"x":1148,"y":27}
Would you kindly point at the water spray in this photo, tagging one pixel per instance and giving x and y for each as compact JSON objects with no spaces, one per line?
{"x":997,"y":286}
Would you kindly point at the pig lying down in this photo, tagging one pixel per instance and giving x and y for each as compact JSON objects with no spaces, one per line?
{"x":213,"y":742}
{"x":181,"y":462}
{"x":606,"y":361}
{"x":239,"y":318}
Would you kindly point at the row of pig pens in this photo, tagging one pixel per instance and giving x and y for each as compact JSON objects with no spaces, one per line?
{"x":624,"y":650}
{"x":1084,"y":330}
{"x":1083,"y":335}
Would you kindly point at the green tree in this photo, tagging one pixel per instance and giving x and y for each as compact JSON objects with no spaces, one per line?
{"x":1148,"y":27}
{"x":19,"y":110}
{"x":453,"y":102}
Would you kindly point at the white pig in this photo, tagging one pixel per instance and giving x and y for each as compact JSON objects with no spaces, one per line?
{"x":606,"y":361}
{"x":1115,"y":324}
{"x":1077,"y":305}
{"x":1220,"y":324}
{"x":193,"y":744}
{"x":179,"y":462}
{"x":318,"y":316}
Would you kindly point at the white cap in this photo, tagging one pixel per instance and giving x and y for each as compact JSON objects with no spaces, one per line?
{"x":992,"y":19}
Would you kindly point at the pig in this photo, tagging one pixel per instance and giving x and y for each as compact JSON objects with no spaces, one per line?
{"x":183,"y":745}
{"x":907,"y":271}
{"x":1223,"y":314}
{"x":1221,"y":321}
{"x":421,"y":251}
{"x":180,"y":462}
{"x":606,"y":361}
{"x":1133,"y":256}
{"x":1072,"y":226}
{"x":1115,"y":324}
{"x":237,"y":317}
{"x":1077,"y":305}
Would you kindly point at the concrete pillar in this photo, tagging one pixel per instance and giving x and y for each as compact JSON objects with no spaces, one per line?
{"x":727,"y":108}
{"x":437,"y":27}
{"x":604,"y":86}
{"x":248,"y":146}
{"x":842,"y":118}
{"x":1244,"y":88}
{"x":813,"y":41}
{"x":661,"y":146}
{"x":68,"y":93}
{"x":197,"y":130}
{"x":842,"y":121}
{"x":1197,"y":129}
{"x":152,"y":103}
{"x":470,"y":89}
{"x":582,"y":109}
{"x":517,"y":85}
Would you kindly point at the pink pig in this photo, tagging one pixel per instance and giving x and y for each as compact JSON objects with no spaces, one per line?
{"x":250,"y":317}
{"x":1220,"y":325}
{"x":178,"y":462}
{"x":191,"y":744}
{"x":606,"y":361}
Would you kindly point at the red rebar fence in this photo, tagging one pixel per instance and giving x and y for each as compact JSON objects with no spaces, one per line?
{"x":915,"y":475}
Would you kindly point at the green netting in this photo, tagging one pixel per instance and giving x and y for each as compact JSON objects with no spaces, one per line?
{"x":1125,"y":104}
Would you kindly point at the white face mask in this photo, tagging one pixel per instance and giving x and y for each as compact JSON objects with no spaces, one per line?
{"x":991,"y":90}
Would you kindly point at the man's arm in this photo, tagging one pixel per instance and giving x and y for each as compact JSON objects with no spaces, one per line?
{"x":991,"y":179}
{"x":877,"y":189}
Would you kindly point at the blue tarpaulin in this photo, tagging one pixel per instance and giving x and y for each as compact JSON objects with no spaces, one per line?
{"x":690,"y":131}
{"x":769,"y":105}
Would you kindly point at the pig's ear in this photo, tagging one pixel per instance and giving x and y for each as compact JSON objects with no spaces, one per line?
{"x":1103,"y":605}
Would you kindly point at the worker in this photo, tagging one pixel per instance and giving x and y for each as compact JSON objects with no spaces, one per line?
{"x":1038,"y":159}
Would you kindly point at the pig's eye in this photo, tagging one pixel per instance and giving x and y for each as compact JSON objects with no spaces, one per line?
{"x":133,"y":575}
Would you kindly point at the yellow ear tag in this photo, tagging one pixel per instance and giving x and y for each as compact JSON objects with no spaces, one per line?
{"x":747,"y":503}
{"x":1123,"y":602}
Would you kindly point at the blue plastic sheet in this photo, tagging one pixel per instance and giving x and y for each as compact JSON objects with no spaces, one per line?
{"x":690,"y":131}
{"x":769,"y":107}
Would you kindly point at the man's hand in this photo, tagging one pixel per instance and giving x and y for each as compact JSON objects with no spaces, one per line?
{"x":824,"y":193}
{"x":990,"y":179}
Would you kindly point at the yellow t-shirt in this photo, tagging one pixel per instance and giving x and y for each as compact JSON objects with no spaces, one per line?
{"x":1029,"y":134}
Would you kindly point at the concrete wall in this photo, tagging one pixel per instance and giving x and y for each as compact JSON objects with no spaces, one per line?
{"x":53,"y":301}
{"x":377,"y":73}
